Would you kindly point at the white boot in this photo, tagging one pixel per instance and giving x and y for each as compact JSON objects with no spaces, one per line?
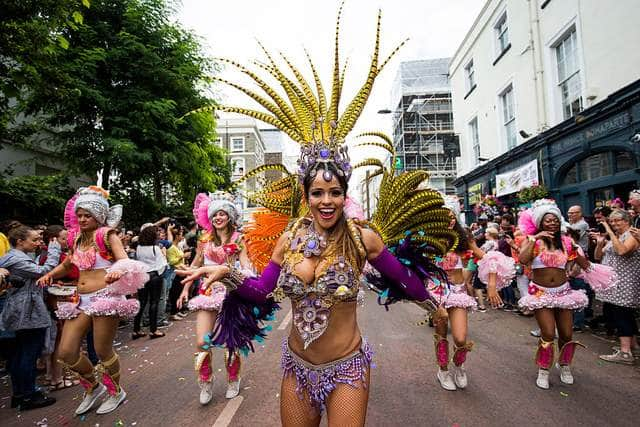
{"x":445,"y":380}
{"x":543,"y":379}
{"x":565,"y":374}
{"x":459,"y":376}
{"x":206,"y":391}
{"x":90,"y":399}
{"x":112,"y":402}
{"x":233,"y":389}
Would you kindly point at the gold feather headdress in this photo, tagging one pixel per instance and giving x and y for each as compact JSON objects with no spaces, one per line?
{"x":313,"y":120}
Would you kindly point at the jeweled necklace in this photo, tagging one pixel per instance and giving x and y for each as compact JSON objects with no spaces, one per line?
{"x":312,"y":243}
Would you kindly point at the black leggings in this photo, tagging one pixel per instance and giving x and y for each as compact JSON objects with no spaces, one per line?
{"x":625,"y":320}
{"x":151,"y":294}
{"x":174,"y":294}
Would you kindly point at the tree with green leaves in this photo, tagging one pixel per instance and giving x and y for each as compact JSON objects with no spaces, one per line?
{"x":111,"y":94}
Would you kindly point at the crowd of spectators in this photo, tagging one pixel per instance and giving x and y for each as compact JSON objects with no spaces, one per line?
{"x":29,"y":329}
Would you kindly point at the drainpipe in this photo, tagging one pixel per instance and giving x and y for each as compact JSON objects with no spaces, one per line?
{"x":535,"y":44}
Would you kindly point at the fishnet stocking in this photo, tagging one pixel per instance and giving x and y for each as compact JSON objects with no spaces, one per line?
{"x":296,"y":412}
{"x":347,"y":405}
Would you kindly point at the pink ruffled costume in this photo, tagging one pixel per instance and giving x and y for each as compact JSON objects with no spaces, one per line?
{"x":454,"y":295}
{"x":210,"y":298}
{"x":496,"y":262}
{"x":111,"y":300}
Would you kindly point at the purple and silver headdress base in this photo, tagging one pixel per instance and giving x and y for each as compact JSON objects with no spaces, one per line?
{"x":318,"y":154}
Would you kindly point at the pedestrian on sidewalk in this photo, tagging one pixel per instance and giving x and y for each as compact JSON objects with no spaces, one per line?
{"x":622,"y":254}
{"x":152,"y":256}
{"x":25,"y":314}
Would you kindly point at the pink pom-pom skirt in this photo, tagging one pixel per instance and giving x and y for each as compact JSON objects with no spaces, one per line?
{"x":211,"y":302}
{"x":454,"y":296}
{"x":561,"y":297}
{"x":497,"y":262}
{"x":600,"y":277}
{"x":134,"y":276}
{"x":99,"y":303}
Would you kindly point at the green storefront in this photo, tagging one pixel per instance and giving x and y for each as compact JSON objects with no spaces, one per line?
{"x":590,"y":158}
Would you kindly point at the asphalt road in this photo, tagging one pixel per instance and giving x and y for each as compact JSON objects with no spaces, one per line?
{"x":159,"y":379}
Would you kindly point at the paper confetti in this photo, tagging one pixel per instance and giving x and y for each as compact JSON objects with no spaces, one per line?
{"x":563,"y":394}
{"x":181,"y":379}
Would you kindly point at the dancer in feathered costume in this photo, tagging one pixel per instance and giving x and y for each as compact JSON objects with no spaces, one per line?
{"x":550,"y":255}
{"x":107,"y":276}
{"x":222,"y":244}
{"x":455,"y":302}
{"x":318,"y":259}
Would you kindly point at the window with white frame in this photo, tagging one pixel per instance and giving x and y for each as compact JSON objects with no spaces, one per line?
{"x":238,"y":167}
{"x":569,"y":80}
{"x":237,"y":144}
{"x":509,"y":117}
{"x":502,"y":33}
{"x":470,"y":75}
{"x":475,"y":139}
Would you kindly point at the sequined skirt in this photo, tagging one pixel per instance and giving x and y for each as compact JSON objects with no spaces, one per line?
{"x":560,"y":297}
{"x":318,"y":381}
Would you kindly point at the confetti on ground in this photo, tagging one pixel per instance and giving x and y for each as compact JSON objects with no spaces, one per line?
{"x":563,"y":394}
{"x":181,"y":379}
{"x":83,"y":417}
{"x":118,"y":423}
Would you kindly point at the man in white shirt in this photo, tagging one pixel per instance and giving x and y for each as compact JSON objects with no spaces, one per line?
{"x":579,"y":224}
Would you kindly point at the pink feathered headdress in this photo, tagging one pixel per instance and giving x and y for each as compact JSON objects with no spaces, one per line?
{"x":200,"y":211}
{"x":352,"y":209}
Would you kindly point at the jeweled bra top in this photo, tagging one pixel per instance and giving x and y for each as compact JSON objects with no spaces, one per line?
{"x":336,"y":281}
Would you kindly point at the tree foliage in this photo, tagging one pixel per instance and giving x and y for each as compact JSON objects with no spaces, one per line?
{"x":113,"y":81}
{"x":35,"y":198}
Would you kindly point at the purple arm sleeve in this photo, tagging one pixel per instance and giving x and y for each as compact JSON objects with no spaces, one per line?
{"x":408,"y":282}
{"x":256,"y":289}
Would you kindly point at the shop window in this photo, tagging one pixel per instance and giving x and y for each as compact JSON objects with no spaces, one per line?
{"x":571,"y":177}
{"x":595,"y":166}
{"x":624,"y":161}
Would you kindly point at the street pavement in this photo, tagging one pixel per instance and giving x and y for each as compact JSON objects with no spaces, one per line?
{"x":159,"y":379}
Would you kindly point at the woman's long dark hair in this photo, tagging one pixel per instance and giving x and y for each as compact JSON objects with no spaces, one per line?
{"x":341,"y":232}
{"x":463,"y":239}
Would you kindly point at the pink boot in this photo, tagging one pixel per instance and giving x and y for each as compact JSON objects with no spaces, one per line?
{"x":233,"y":364}
{"x":544,"y":354}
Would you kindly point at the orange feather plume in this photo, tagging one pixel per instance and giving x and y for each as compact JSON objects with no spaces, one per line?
{"x":262,"y":234}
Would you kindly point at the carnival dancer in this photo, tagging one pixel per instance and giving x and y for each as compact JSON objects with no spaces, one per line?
{"x":550,"y":256}
{"x":318,"y":261}
{"x":107,"y":275}
{"x":220,"y":245}
{"x":452,"y":296}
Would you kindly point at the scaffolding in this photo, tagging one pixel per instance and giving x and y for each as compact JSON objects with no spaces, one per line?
{"x":423,"y":121}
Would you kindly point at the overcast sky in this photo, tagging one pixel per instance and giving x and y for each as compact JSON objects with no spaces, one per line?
{"x":229,"y":28}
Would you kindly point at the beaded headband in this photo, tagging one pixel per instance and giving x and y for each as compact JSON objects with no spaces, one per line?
{"x":320,"y":153}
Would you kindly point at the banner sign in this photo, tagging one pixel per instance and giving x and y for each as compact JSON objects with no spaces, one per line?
{"x":517,"y":179}
{"x":475,"y":193}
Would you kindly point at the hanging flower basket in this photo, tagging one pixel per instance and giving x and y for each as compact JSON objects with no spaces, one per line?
{"x":535,"y":192}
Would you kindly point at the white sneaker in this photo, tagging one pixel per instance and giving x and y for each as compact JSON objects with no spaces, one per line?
{"x":233,"y":389}
{"x":543,"y":379}
{"x":565,"y":374}
{"x":206,"y":392}
{"x":89,"y":399}
{"x":445,"y":380}
{"x":112,"y":402}
{"x":459,"y":376}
